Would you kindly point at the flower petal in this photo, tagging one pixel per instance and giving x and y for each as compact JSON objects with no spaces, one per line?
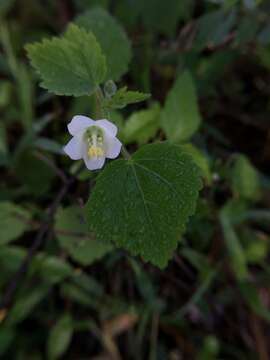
{"x":108,"y":126}
{"x":94,"y":164}
{"x":74,"y":148}
{"x":113,"y":147}
{"x":79,"y":123}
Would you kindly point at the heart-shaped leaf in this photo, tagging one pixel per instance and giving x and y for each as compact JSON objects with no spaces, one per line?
{"x":142,"y":204}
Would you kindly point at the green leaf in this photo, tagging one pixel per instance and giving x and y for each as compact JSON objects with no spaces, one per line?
{"x":235,"y":250}
{"x":11,"y":258}
{"x":5,"y":93}
{"x":77,"y":295}
{"x":3,"y":145}
{"x":26,"y":95}
{"x":142,"y":204}
{"x":35,"y":174}
{"x":200,"y":160}
{"x":7,"y":335}
{"x":5,"y":6}
{"x":180,"y":117}
{"x":112,"y":39}
{"x":70,"y":65}
{"x":83,"y":5}
{"x":247,"y":30}
{"x":73,"y":236}
{"x":124,"y":97}
{"x":25,"y":304}
{"x":198,"y":260}
{"x":50,"y":268}
{"x":245,"y":179}
{"x":49,"y":145}
{"x":264,"y":35}
{"x":251,"y":296}
{"x":13,"y":221}
{"x":60,"y":337}
{"x":163,"y":16}
{"x":142,"y":125}
{"x":213,"y":27}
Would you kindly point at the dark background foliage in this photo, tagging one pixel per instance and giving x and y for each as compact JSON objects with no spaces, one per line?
{"x":63,"y":297}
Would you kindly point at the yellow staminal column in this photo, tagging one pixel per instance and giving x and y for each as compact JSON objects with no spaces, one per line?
{"x":95,"y":143}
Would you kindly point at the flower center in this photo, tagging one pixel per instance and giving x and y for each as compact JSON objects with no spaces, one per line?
{"x":94,"y":139}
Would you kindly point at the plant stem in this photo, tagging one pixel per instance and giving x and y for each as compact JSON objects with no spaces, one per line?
{"x":125,"y":152}
{"x":100,"y":114}
{"x":99,"y":99}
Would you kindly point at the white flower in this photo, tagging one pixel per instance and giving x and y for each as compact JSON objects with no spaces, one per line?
{"x":92,"y":141}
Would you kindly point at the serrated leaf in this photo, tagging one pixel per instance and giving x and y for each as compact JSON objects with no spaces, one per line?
{"x":60,"y":337}
{"x":124,"y":97}
{"x":13,"y":221}
{"x":73,"y":236}
{"x":70,"y":65}
{"x":142,"y":204}
{"x":112,"y":38}
{"x":180,"y":117}
{"x":245,"y":179}
{"x":142,"y":125}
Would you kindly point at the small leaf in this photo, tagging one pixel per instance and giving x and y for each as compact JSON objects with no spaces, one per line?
{"x":49,"y":145}
{"x":3,"y":145}
{"x":112,"y":38}
{"x":264,"y":35}
{"x":25,"y":304}
{"x":235,"y":250}
{"x":50,"y":268}
{"x":35,"y":174}
{"x":180,"y":117}
{"x":60,"y":337}
{"x":11,"y":258}
{"x":247,"y":30}
{"x":70,"y":65}
{"x":5,"y":6}
{"x":13,"y":221}
{"x":143,"y":204}
{"x":7,"y":336}
{"x":251,"y":296}
{"x":142,"y":125}
{"x":163,"y":16}
{"x":124,"y":97}
{"x":200,"y":160}
{"x":83,"y":5}
{"x":73,"y":236}
{"x":213,"y":27}
{"x":245,"y":179}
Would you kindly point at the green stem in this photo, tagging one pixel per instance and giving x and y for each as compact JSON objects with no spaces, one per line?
{"x":100,"y":114}
{"x":99,"y":100}
{"x":125,"y":152}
